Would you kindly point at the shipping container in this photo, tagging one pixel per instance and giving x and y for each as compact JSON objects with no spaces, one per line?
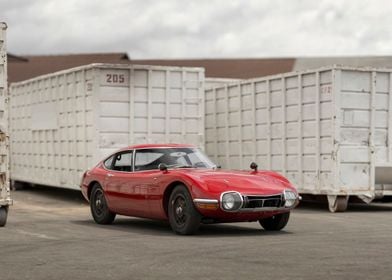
{"x":327,"y":130}
{"x":63,"y":123}
{"x":5,"y":196}
{"x":216,"y":82}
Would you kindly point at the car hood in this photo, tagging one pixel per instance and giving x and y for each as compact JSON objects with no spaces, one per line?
{"x":245,"y":182}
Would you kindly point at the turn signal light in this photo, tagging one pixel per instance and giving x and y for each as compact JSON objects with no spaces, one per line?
{"x":208,"y":206}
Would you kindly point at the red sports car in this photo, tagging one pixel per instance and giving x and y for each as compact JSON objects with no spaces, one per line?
{"x":180,"y":184}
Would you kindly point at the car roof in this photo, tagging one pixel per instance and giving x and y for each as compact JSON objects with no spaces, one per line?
{"x":150,"y":146}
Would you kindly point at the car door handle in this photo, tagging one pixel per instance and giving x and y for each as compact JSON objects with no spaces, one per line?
{"x":109,"y":175}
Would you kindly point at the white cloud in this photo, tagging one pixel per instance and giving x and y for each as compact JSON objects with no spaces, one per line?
{"x":214,"y":28}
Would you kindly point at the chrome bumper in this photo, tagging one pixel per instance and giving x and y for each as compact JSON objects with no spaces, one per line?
{"x":246,"y":210}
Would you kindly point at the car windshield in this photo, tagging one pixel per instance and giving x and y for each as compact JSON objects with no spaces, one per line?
{"x":148,"y":159}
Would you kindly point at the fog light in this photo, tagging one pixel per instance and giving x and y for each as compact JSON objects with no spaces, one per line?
{"x":231,"y":201}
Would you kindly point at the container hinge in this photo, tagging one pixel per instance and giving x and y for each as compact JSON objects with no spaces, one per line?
{"x":334,"y":154}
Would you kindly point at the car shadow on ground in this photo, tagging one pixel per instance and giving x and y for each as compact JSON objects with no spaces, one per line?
{"x":161,"y":228}
{"x":234,"y":230}
{"x":134,"y":225}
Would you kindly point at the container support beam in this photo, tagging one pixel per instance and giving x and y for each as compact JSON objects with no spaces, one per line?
{"x":202,"y":114}
{"x":254,"y":131}
{"x":390,"y":119}
{"x":84,"y":125}
{"x":269,"y":130}
{"x":284,"y":137}
{"x":317,"y":129}
{"x":336,"y":90}
{"x":300,"y":128}
{"x":215,"y":113}
{"x":74,"y":155}
{"x":372,"y":148}
{"x":167,"y":106}
{"x":227,"y":103}
{"x":240,"y":127}
{"x":131,"y":136}
{"x":183,"y":95}
{"x":149,"y":107}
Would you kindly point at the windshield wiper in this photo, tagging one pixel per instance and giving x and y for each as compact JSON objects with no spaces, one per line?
{"x":180,"y":166}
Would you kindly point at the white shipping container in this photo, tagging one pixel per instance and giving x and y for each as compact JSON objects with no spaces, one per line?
{"x":5,"y":197}
{"x":327,"y":130}
{"x":216,"y":82}
{"x":64,"y":123}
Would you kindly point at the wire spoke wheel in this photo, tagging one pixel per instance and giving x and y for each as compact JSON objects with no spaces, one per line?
{"x":99,"y":203}
{"x":99,"y":208}
{"x":180,"y":210}
{"x":183,"y":217}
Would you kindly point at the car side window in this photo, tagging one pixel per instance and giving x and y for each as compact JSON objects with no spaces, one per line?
{"x":109,"y":162}
{"x":123,"y":161}
{"x":149,"y":159}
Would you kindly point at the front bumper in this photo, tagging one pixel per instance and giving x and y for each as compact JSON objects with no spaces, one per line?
{"x":252,"y":204}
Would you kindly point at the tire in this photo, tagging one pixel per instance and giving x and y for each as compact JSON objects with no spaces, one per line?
{"x":3,"y":215}
{"x":276,"y":222}
{"x":339,"y":204}
{"x":184,"y":219}
{"x":99,"y":208}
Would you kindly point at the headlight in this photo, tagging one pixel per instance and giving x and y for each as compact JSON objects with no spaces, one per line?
{"x":231,"y":201}
{"x":290,"y":198}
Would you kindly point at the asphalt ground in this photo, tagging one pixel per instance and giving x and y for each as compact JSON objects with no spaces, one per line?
{"x":51,"y":235}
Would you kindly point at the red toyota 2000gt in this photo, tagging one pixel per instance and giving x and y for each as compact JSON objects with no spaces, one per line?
{"x":180,"y":184}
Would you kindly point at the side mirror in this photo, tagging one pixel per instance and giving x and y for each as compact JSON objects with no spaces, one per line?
{"x":254,"y":166}
{"x":162,"y":167}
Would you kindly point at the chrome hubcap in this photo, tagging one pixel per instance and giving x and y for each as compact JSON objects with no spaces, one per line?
{"x":99,"y":203}
{"x":179,"y":210}
{"x":179,"y":207}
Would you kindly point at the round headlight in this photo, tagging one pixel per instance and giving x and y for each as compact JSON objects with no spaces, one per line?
{"x":290,"y":198}
{"x":231,"y":201}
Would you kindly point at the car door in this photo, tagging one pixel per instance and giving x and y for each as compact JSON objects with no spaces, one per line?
{"x":124,"y":195}
{"x":149,"y":178}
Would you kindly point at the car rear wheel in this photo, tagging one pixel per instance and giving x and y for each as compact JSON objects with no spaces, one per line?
{"x":276,"y":222}
{"x":99,"y":208}
{"x":184,"y":219}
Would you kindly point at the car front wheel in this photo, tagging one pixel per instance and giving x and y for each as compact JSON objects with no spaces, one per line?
{"x":276,"y":222}
{"x":184,"y":219}
{"x":99,"y":208}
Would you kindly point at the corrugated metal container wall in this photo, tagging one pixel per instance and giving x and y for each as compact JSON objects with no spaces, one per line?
{"x":64,"y":123}
{"x":5,"y":197}
{"x":216,"y":82}
{"x":328,"y":130}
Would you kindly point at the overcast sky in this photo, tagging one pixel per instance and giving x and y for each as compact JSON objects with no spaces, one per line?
{"x":199,"y":29}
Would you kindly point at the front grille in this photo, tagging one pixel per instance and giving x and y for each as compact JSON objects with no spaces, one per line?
{"x":274,"y":201}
